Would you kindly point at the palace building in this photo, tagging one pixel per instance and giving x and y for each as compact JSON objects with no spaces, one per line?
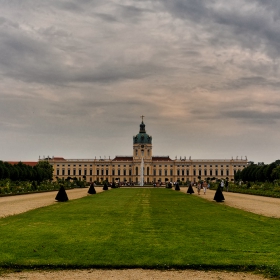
{"x":155,"y":168}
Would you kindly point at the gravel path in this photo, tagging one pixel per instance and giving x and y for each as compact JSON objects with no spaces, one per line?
{"x":12,"y":205}
{"x":130,"y":274}
{"x":266,"y":206}
{"x":17,"y":204}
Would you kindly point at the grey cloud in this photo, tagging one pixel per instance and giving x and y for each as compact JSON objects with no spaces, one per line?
{"x":52,"y":31}
{"x":9,"y":23}
{"x":253,"y":115}
{"x":131,"y":12}
{"x":107,"y":17}
{"x":124,"y":13}
{"x":2,"y":20}
{"x":107,"y":73}
{"x":30,"y":59}
{"x":191,"y":9}
{"x":245,"y":82}
{"x":70,"y":6}
{"x":258,"y":28}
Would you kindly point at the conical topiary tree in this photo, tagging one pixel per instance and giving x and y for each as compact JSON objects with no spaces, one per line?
{"x":190,"y":189}
{"x":219,"y":197}
{"x":105,"y":187}
{"x":91,"y":189}
{"x":61,"y":195}
{"x":177,"y":188}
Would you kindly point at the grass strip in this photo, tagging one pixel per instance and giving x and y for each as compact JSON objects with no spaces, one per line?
{"x":140,"y":228}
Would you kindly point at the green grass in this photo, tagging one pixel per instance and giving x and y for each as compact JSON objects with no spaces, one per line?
{"x":148,"y":228}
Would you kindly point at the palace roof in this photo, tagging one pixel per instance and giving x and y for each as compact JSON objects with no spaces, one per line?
{"x":123,"y":158}
{"x":162,"y":158}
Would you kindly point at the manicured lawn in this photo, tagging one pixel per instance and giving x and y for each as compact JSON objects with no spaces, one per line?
{"x":148,"y":228}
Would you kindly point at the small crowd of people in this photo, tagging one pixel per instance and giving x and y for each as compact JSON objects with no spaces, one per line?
{"x":202,"y":185}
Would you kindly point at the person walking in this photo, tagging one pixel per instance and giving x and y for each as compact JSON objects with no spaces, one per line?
{"x":204,"y":185}
{"x":222,"y":184}
{"x":198,"y":188}
{"x":226,"y":184}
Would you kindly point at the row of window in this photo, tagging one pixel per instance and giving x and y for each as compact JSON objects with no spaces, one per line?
{"x":160,"y":173}
{"x":74,"y":172}
{"x":135,"y":180}
{"x":194,"y":166}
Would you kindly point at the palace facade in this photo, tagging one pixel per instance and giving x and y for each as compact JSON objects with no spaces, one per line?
{"x":156,"y":168}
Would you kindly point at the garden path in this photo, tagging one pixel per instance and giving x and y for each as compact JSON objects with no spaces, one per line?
{"x":130,"y":274}
{"x":16,"y":204}
{"x":266,"y":206}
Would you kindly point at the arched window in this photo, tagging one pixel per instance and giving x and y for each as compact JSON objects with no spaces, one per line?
{"x":148,"y":171}
{"x":136,"y":170}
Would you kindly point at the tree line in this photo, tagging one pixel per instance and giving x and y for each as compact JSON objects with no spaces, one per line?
{"x":259,"y":172}
{"x":22,"y":172}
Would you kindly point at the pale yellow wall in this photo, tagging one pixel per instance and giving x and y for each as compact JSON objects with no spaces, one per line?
{"x":147,"y":151}
{"x":190,"y":165}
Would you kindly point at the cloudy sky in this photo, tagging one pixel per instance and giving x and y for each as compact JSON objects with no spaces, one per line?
{"x":75,"y":77}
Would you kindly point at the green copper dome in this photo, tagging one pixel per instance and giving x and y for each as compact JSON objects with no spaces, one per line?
{"x":142,"y":137}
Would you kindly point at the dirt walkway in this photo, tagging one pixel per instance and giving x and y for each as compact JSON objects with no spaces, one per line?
{"x":12,"y":205}
{"x":266,"y":206}
{"x":130,"y":274}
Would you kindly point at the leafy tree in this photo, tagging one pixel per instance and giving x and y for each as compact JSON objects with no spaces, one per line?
{"x":44,"y":165}
{"x":269,"y":169}
{"x":275,"y":174}
{"x":14,"y":173}
{"x":237,"y":176}
{"x":1,"y":172}
{"x":261,"y":177}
